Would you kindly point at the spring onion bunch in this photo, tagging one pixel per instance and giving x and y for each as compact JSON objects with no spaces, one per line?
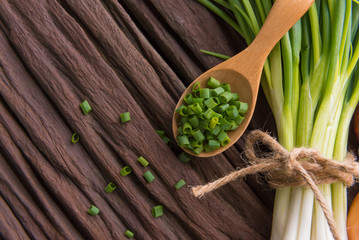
{"x":311,"y":82}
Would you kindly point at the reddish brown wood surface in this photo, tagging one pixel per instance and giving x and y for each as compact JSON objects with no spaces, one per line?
{"x":131,"y":55}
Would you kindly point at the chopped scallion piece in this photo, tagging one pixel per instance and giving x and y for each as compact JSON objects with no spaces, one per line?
{"x":125,"y":117}
{"x":225,"y":97}
{"x":196,"y":87}
{"x":217,"y":91}
{"x":110,"y":187}
{"x":198,"y":150}
{"x":243,"y":108}
{"x":125,"y":171}
{"x":160,"y":133}
{"x":180,"y":184}
{"x":143,"y":161}
{"x":167,"y":141}
{"x":85,"y":106}
{"x":184,"y":157}
{"x":183,"y":141}
{"x":149,"y":176}
{"x":129,"y":234}
{"x":213,"y":83}
{"x":188,"y":98}
{"x":204,"y":93}
{"x":93,"y":210}
{"x":75,"y":138}
{"x":157,"y":211}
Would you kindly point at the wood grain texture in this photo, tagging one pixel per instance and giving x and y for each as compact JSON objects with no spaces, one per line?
{"x":135,"y":56}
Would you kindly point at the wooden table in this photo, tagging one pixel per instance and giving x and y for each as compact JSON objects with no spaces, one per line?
{"x":128,"y":55}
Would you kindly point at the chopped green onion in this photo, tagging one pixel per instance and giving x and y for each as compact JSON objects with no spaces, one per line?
{"x":226,"y":87}
{"x":198,"y":135}
{"x":93,"y":210}
{"x":198,"y":150}
{"x":204,"y":93}
{"x":180,"y":184}
{"x":194,"y":121}
{"x":129,"y":234}
{"x":239,"y":119}
{"x":188,"y":98}
{"x":196,"y":107}
{"x":149,"y":176}
{"x":235,"y":96}
{"x":143,"y":161}
{"x":217,"y":91}
{"x":213,"y":83}
{"x":167,"y":141}
{"x":110,"y":187}
{"x":196,"y":87}
{"x":75,"y":138}
{"x":243,"y":108}
{"x":213,"y":122}
{"x":160,"y":133}
{"x":157,"y":211}
{"x":225,"y":97}
{"x":209,"y":113}
{"x":211,"y":102}
{"x":194,"y":143}
{"x":232,"y":112}
{"x":221,"y":108}
{"x":182,"y":110}
{"x":216,"y":130}
{"x":187,"y":128}
{"x":183,"y":141}
{"x":214,"y":144}
{"x":223,"y":138}
{"x":184,"y":157}
{"x":125,"y":117}
{"x":226,"y":124}
{"x":125,"y":171}
{"x":85,"y":106}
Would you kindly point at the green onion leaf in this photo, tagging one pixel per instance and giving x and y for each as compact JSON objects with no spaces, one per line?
{"x":93,"y":210}
{"x":85,"y":106}
{"x":149,"y":176}
{"x":125,"y":117}
{"x":110,"y":187}
{"x":157,"y":211}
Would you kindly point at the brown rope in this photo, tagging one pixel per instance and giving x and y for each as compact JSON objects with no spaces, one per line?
{"x":300,"y":167}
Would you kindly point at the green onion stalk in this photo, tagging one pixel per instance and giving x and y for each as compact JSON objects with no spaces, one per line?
{"x":311,"y":82}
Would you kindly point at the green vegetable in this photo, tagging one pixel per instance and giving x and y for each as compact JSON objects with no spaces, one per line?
{"x":157,"y":211}
{"x":184,"y":157}
{"x":110,"y":187}
{"x":311,"y":83}
{"x":213,"y":110}
{"x":143,"y":161}
{"x":149,"y":176}
{"x":125,"y":171}
{"x":129,"y":234}
{"x":93,"y":210}
{"x":85,"y":106}
{"x":125,"y":117}
{"x":75,"y":138}
{"x":180,"y":184}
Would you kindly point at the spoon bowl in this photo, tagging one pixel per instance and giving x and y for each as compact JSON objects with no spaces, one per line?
{"x":243,"y":71}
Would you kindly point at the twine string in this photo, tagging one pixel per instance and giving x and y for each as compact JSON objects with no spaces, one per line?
{"x":299,"y":167}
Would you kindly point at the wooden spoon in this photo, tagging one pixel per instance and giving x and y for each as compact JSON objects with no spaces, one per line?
{"x":243,"y":71}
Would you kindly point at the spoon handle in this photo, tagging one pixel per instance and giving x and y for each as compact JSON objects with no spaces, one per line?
{"x":282,"y":16}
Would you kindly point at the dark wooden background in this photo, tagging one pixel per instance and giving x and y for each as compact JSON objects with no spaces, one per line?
{"x":127,"y":55}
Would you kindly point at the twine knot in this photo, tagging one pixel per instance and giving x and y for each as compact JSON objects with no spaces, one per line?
{"x":299,"y":167}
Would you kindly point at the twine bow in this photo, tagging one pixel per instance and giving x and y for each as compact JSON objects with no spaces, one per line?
{"x":299,"y":167}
